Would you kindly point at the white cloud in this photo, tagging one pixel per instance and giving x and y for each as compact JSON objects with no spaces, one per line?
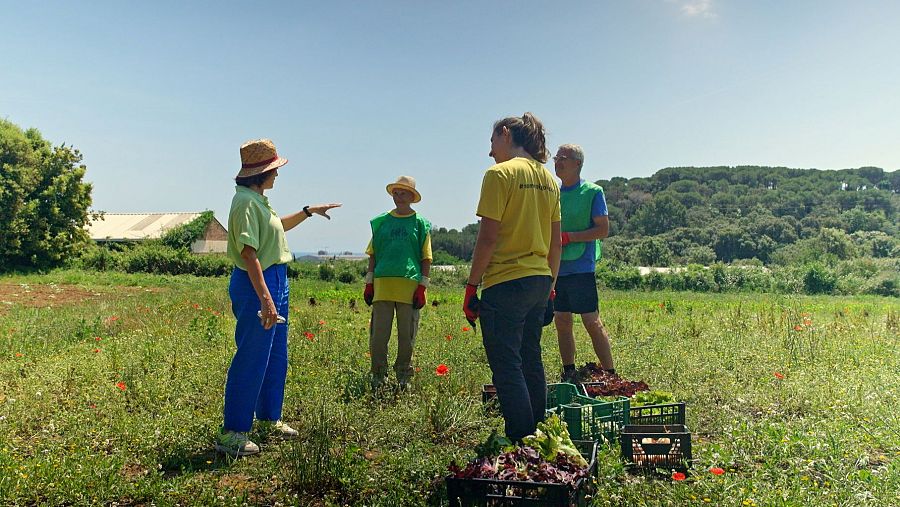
{"x":698,"y":8}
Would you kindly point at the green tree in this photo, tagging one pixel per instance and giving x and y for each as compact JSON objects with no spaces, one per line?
{"x":43,"y":200}
{"x":653,"y":251}
{"x":661,"y":214}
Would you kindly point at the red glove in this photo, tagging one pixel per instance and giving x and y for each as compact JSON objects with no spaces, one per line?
{"x":471,"y":304}
{"x":419,"y":297}
{"x":565,"y":239}
{"x":552,"y":294}
{"x":369,"y":293}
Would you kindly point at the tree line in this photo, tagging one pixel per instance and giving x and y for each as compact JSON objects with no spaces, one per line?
{"x":677,"y":216}
{"x":703,"y":215}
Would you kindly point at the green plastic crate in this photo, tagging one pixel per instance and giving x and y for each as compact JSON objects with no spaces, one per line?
{"x":561,"y":394}
{"x":668,"y":413}
{"x":591,"y":419}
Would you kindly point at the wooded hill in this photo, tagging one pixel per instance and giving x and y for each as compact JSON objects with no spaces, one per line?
{"x":702,"y":215}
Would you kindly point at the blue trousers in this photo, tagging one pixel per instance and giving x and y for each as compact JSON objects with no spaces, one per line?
{"x":512,"y":318}
{"x":259,"y":368}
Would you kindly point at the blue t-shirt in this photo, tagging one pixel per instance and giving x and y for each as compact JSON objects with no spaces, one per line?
{"x":585,"y":263}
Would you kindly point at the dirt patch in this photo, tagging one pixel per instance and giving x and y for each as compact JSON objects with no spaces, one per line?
{"x":51,"y":295}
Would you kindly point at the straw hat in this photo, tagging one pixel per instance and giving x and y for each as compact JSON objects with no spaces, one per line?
{"x":406,"y":183}
{"x":259,"y":156}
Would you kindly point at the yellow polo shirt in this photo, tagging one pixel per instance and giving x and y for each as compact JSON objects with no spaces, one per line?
{"x":523,"y":196}
{"x":254,"y":223}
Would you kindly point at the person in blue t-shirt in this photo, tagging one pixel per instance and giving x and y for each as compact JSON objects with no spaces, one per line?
{"x":585,"y":221}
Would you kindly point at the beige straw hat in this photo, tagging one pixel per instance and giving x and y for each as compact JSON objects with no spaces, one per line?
{"x":406,"y":183}
{"x":259,"y":156}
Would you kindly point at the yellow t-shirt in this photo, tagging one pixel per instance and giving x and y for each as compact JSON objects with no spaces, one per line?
{"x":399,"y":289}
{"x":524,"y":197}
{"x":253,"y":222}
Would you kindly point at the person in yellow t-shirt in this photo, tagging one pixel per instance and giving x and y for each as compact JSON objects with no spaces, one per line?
{"x":396,"y":281}
{"x":516,"y":260}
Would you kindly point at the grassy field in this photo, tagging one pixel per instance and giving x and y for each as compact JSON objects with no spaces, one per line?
{"x":111,"y":391}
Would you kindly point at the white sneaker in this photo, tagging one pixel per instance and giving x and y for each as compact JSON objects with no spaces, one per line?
{"x":235,"y":444}
{"x":278,"y":429}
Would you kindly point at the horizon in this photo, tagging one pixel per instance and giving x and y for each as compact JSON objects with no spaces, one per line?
{"x":159,"y":100}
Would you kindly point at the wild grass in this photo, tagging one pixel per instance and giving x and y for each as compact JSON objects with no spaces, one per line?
{"x":116,"y":396}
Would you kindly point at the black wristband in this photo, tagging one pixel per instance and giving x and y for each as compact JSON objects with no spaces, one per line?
{"x":306,"y":210}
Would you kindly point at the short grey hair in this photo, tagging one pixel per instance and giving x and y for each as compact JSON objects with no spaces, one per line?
{"x":576,"y":150}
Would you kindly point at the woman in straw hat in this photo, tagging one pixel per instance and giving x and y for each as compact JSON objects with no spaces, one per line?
{"x":259,"y":300}
{"x":399,"y":264}
{"x":516,"y":259}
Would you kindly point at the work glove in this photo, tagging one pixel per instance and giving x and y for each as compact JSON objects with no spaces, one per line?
{"x":565,"y":239}
{"x":549,"y":311}
{"x":369,"y":292}
{"x":471,"y":303}
{"x":419,"y":297}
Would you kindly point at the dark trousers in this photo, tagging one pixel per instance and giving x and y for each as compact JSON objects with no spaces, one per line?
{"x":512,"y":315}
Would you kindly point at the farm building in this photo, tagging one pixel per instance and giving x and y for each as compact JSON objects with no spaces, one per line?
{"x":143,"y":226}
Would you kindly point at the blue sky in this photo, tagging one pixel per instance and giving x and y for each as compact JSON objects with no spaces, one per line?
{"x":160,"y":95}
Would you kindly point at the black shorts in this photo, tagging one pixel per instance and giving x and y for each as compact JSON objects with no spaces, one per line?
{"x":576,"y":293}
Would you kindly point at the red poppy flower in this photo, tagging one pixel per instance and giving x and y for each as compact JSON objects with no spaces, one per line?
{"x":18,"y":354}
{"x":798,"y":327}
{"x":110,"y":320}
{"x":96,"y":351}
{"x":418,"y":369}
{"x":309,"y":336}
{"x":92,"y":405}
{"x":196,"y":306}
{"x":678,"y":476}
{"x":779,"y":376}
{"x":449,"y":337}
{"x":97,"y":338}
{"x":717,"y":471}
{"x":807,"y":322}
{"x":465,"y":329}
{"x":121,"y":386}
{"x":441,"y":370}
{"x":321,"y":322}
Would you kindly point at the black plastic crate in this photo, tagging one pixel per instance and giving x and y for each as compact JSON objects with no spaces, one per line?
{"x":669,"y":413}
{"x":492,"y":492}
{"x":557,"y":394}
{"x":488,"y":393}
{"x":646,"y":448}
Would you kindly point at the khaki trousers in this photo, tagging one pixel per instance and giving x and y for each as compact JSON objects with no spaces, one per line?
{"x":380,"y":335}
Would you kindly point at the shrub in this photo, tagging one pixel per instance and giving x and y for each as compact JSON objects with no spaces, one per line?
{"x":153,"y":257}
{"x":698,"y":279}
{"x":97,"y":258}
{"x":701,"y":254}
{"x":346,"y":277}
{"x":625,"y":278}
{"x":308,"y":270}
{"x":326,"y":272}
{"x":655,"y":280}
{"x":885,"y":284}
{"x":817,"y":279}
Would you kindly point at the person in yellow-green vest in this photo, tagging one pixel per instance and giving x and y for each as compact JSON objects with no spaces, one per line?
{"x":585,"y":222}
{"x":396,"y":281}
